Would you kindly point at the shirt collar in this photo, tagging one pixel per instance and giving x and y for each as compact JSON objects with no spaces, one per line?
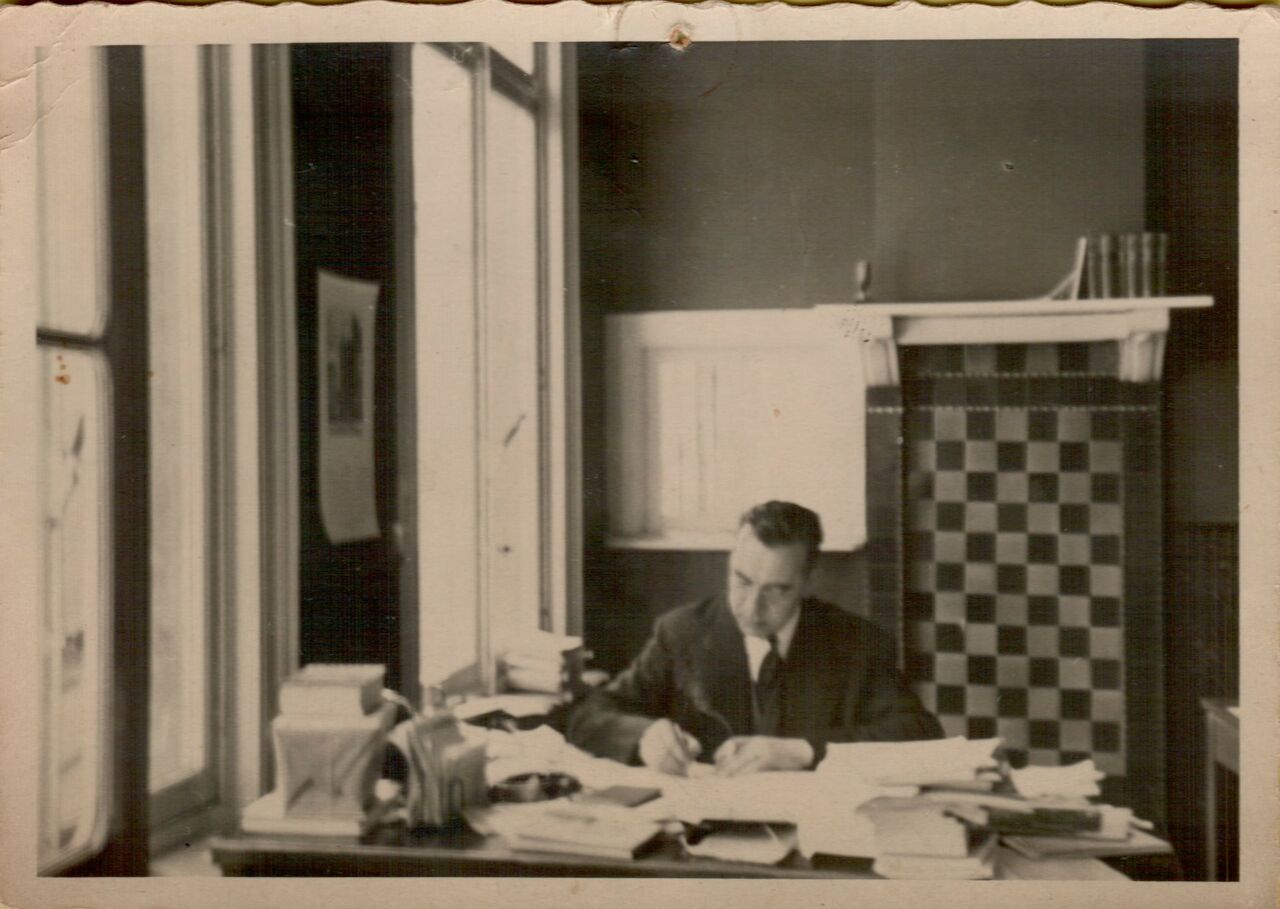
{"x":757,"y":648}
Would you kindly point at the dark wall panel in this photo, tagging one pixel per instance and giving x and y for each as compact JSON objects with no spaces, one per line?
{"x":343,"y":212}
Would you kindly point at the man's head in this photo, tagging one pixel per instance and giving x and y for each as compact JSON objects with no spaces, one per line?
{"x":769,"y":566}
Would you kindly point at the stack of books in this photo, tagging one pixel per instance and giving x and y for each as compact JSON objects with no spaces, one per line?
{"x":924,"y":840}
{"x":329,"y":740}
{"x":544,"y":662}
{"x":1040,"y":827}
{"x":944,"y":805}
{"x":1126,"y":265}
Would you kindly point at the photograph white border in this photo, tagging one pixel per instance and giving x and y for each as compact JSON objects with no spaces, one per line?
{"x":22,"y":29}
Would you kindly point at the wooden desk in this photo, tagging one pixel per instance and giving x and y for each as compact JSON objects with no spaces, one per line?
{"x":466,"y":854}
{"x":1222,"y":752}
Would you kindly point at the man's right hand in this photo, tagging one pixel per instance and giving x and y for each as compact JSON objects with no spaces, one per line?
{"x":668,"y":748}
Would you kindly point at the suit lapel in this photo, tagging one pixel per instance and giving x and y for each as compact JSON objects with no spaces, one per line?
{"x":805,"y":671}
{"x":724,"y":666}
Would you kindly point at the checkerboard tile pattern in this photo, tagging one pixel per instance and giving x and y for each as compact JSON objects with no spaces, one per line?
{"x":1013,"y":547}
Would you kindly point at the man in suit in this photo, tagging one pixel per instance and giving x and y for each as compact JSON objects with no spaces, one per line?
{"x":759,"y":678}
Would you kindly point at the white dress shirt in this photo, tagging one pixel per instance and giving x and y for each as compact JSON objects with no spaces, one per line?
{"x":758,"y":648}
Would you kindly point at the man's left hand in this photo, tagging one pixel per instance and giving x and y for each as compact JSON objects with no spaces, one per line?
{"x":752,"y":753}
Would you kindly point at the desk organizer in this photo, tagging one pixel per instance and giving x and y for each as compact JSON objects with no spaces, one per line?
{"x":326,"y":765}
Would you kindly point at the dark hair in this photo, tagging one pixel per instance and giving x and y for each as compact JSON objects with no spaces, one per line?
{"x":780,"y":523}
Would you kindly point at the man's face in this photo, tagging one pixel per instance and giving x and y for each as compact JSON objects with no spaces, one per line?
{"x":766,"y":583}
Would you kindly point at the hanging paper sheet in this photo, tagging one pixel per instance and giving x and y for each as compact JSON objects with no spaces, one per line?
{"x":346,"y":325}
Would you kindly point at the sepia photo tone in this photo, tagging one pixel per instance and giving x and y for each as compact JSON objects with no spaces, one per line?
{"x":668,"y":458}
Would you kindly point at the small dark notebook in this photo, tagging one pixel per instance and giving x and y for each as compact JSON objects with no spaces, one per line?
{"x":626,"y":796}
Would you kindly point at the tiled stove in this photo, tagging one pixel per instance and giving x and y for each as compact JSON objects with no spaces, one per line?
{"x":1014,"y":522}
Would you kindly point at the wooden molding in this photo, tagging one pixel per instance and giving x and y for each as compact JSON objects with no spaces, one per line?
{"x":1139,"y":324}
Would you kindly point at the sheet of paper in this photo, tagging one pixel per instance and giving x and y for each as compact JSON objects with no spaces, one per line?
{"x":1076,"y":781}
{"x":757,"y":846}
{"x":911,"y":763}
{"x":346,"y":309}
{"x":823,"y":807}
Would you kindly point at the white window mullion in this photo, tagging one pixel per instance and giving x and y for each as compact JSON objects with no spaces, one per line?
{"x":513,"y":381}
{"x":239,"y":452}
{"x":564,"y":493}
{"x":446,"y":278}
{"x":180,"y":465}
{"x":277,"y":353}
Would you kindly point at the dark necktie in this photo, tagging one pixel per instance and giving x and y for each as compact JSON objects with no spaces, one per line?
{"x":768,"y":703}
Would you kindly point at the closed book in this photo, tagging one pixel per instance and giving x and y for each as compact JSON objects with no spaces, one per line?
{"x":624,"y":796}
{"x":915,"y":827}
{"x":558,"y":847}
{"x":1138,"y":842}
{"x":603,"y":830}
{"x":1108,"y":267}
{"x":333,"y":689}
{"x":1096,"y":821}
{"x":979,"y":864}
{"x":267,"y":815}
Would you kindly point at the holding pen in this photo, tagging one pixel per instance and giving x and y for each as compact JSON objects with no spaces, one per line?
{"x":668,"y":748}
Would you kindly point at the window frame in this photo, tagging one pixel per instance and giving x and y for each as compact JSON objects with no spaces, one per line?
{"x":558,"y":536}
{"x":180,"y":174}
{"x":244,"y":256}
{"x":101,"y":337}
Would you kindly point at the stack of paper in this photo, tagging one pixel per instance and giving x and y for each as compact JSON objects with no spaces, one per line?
{"x":754,"y":844}
{"x":956,"y":762}
{"x":779,"y":796}
{"x":543,"y":662}
{"x":1074,"y":781}
{"x":607,"y":831}
{"x":823,"y":809}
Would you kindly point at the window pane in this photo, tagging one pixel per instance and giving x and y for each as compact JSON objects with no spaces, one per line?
{"x":69,"y":173}
{"x":75,"y":591}
{"x":179,"y":469}
{"x":514,"y":405}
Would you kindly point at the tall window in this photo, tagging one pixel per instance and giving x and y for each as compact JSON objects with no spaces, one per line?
{"x":183,"y":554}
{"x":490,"y":322}
{"x":147,"y":445}
{"x":207,"y":628}
{"x":75,"y":455}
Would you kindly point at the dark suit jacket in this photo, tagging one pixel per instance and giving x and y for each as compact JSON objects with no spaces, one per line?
{"x":839,"y":684}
